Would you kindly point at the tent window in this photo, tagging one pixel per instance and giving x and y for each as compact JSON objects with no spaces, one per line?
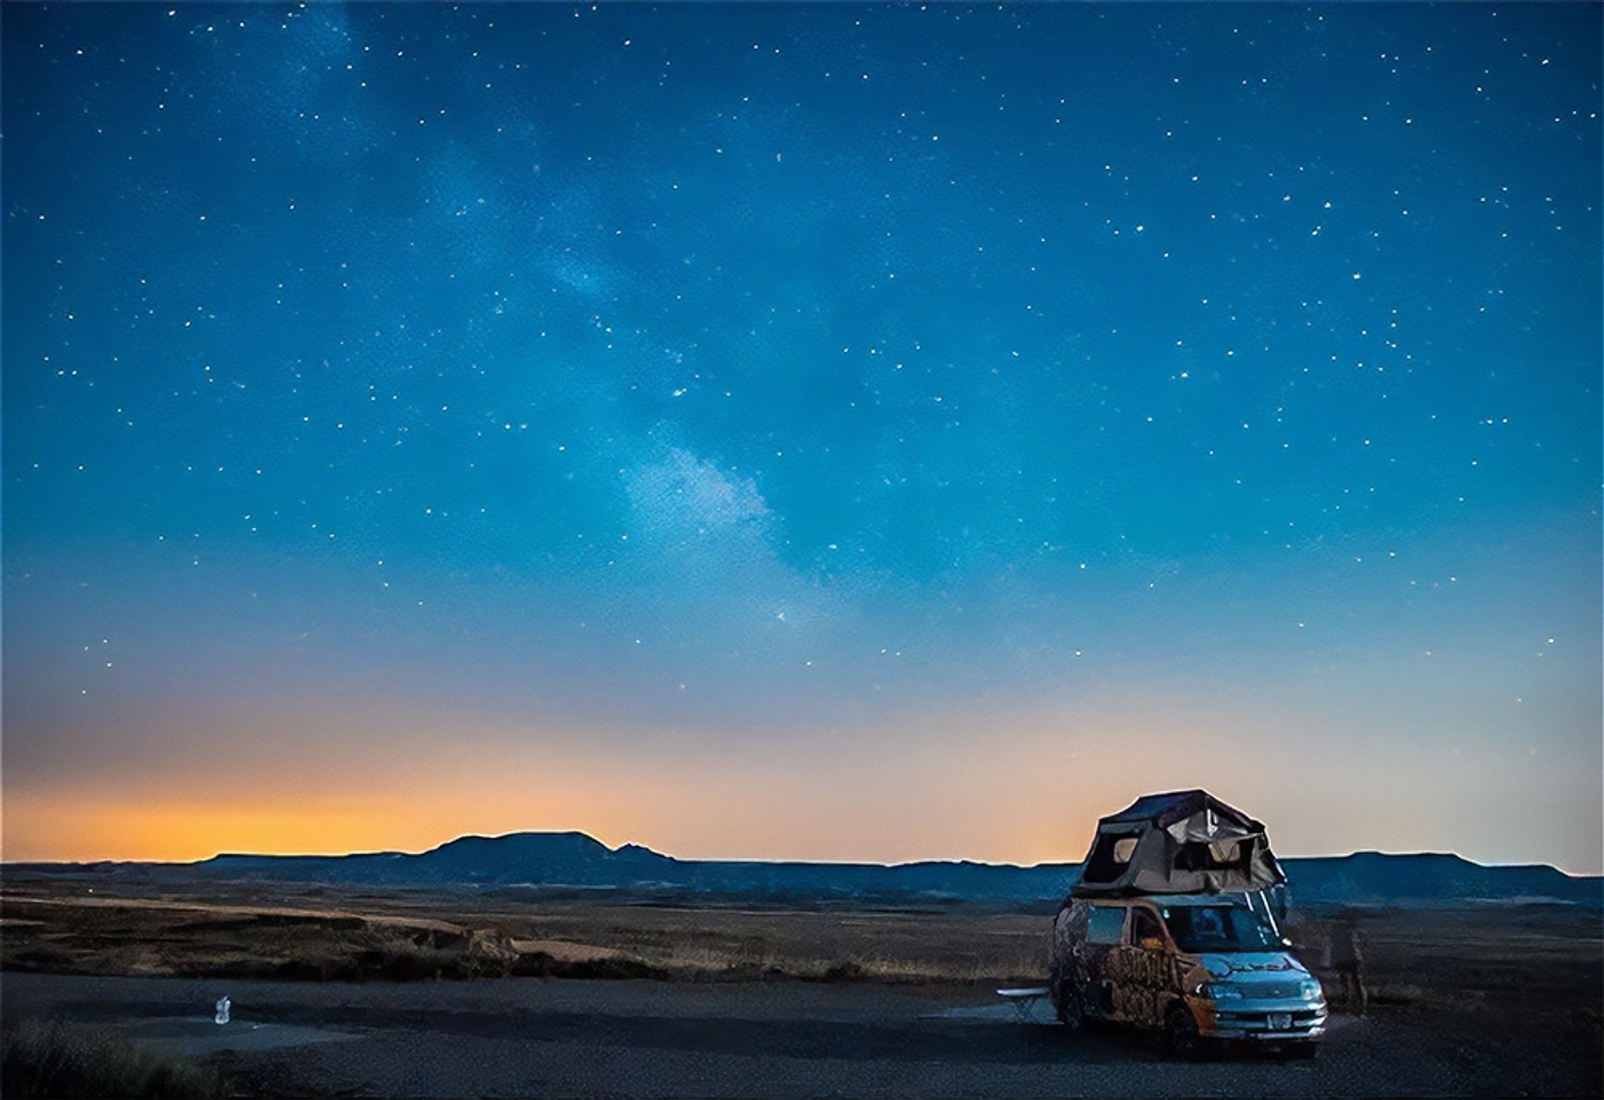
{"x":1109,"y":858}
{"x":1219,"y":856}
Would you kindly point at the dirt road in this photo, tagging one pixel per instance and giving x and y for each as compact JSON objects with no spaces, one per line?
{"x":648,"y":1039}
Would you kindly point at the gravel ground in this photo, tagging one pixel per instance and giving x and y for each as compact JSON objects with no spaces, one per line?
{"x":552,"y":1037}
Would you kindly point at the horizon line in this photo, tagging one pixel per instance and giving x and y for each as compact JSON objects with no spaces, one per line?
{"x":731,"y":859}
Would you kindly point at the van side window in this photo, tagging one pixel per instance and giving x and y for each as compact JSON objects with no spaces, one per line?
{"x":1144,"y":925}
{"x":1107,"y":923}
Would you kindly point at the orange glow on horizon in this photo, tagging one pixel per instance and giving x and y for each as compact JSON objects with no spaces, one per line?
{"x":1019,"y":787}
{"x":83,"y":829}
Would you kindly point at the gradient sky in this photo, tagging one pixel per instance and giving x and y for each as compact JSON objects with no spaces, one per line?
{"x":800,"y":431}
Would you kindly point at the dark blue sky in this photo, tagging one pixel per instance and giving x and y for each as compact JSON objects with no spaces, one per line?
{"x":647,"y":407}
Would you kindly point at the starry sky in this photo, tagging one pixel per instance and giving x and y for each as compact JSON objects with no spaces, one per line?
{"x":800,"y":431}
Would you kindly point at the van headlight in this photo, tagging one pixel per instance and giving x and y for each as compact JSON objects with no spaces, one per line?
{"x":1223,"y":992}
{"x":1310,"y":990}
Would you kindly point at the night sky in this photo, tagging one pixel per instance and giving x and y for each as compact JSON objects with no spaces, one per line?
{"x":800,"y":431}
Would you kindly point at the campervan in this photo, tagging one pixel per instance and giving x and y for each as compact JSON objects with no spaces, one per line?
{"x":1173,"y":928}
{"x":1193,"y":968}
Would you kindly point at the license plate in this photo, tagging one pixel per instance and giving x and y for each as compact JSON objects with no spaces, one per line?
{"x":1280,"y":1021}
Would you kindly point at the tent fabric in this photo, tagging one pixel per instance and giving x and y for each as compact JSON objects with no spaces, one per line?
{"x":1182,"y":842}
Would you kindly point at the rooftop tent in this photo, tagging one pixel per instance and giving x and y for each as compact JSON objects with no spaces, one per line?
{"x":1183,"y":842}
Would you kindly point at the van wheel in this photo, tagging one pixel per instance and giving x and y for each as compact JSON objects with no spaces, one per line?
{"x":1070,"y":1013}
{"x":1180,"y":1038}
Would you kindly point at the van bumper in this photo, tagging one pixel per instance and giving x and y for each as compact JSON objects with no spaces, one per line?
{"x":1266,"y":1021}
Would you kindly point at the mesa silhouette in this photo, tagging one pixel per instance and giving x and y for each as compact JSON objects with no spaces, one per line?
{"x":572,"y":863}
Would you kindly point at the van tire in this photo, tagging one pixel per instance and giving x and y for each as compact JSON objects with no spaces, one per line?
{"x":1180,"y":1037}
{"x":1070,"y":1013}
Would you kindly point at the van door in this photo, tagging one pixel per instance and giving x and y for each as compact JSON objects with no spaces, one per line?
{"x":1105,"y":933}
{"x":1142,"y":970}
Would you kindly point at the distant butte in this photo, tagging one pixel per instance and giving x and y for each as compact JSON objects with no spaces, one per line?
{"x":572,"y":862}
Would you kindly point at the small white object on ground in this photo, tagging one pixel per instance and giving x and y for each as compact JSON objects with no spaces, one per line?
{"x":222,"y":1010}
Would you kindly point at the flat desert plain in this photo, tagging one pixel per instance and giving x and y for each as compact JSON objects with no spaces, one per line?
{"x":413,"y":994}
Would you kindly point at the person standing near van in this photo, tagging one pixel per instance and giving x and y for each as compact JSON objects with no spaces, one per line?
{"x":1344,"y":956}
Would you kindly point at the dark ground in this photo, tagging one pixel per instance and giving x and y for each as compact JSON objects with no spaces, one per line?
{"x":557,"y":1037}
{"x":1499,"y":1001}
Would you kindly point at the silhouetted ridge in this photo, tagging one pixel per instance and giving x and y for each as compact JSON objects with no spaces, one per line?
{"x":1376,"y":877}
{"x":573,"y":859}
{"x":554,"y":862}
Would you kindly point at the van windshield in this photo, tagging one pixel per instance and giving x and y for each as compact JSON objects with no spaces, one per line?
{"x":1198,"y":928}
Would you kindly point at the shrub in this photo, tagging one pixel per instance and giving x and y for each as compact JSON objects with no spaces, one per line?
{"x":59,"y":1058}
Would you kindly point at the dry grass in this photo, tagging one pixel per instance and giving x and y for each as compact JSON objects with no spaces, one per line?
{"x":413,"y":936}
{"x":1542,"y":962}
{"x":57,"y":1058}
{"x":1537,"y":964}
{"x":1500,"y":987}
